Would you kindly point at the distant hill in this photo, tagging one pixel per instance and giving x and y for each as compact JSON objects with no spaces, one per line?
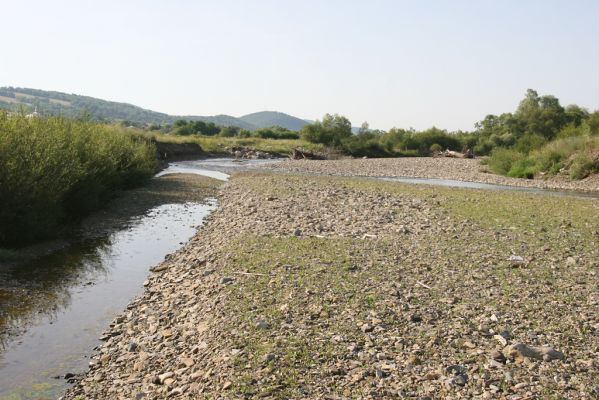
{"x":265,"y":119}
{"x":73,"y":105}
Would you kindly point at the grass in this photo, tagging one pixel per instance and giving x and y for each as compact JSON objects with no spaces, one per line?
{"x":217,"y":145}
{"x":55,"y":169}
{"x":311,"y":288}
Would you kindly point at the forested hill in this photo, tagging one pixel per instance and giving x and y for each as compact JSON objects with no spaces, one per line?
{"x":72,"y":105}
{"x":265,"y":119}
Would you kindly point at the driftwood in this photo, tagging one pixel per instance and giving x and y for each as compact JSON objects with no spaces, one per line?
{"x":247,"y":153}
{"x":301,"y":154}
{"x":454,"y":154}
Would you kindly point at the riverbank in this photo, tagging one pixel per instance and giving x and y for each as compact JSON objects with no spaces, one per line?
{"x":331,"y":287}
{"x":57,"y":297}
{"x":468,"y":170}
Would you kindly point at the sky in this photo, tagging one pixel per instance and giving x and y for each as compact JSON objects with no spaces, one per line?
{"x":392,"y":63}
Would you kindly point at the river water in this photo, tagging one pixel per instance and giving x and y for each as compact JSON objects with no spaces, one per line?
{"x":54,"y":308}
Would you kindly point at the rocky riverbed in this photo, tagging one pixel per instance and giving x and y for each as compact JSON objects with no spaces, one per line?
{"x":468,"y":170}
{"x":332,"y":288}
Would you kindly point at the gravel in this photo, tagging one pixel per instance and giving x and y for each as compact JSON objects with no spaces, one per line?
{"x":468,"y":170}
{"x":388,"y":291}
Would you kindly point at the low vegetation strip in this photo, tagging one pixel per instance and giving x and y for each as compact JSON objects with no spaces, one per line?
{"x":219,"y":145}
{"x":55,"y":169}
{"x":330,"y":287}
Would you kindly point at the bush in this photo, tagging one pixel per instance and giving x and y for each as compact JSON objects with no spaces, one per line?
{"x":365,"y":145}
{"x":502,"y":160}
{"x":524,"y":168}
{"x":275,"y":132}
{"x":54,"y":169}
{"x":422,"y":141}
{"x":582,"y":166}
{"x":435,"y":148}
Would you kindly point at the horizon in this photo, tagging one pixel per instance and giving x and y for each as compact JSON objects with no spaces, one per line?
{"x":392,"y":64}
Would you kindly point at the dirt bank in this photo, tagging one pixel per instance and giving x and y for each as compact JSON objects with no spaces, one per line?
{"x":171,"y":151}
{"x":440,"y":168}
{"x":331,"y":288}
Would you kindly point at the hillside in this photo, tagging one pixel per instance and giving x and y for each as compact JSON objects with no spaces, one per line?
{"x":73,"y":105}
{"x":265,"y":119}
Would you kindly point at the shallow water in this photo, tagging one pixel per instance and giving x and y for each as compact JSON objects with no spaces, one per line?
{"x":68,"y":298}
{"x":54,"y":308}
{"x":217,"y":168}
{"x":488,"y":186}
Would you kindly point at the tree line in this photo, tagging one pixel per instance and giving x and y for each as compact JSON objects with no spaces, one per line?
{"x":541,"y":135}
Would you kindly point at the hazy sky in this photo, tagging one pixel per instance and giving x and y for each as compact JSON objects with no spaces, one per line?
{"x":391,"y":63}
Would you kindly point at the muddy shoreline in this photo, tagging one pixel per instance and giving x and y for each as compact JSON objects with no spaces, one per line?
{"x":331,"y":287}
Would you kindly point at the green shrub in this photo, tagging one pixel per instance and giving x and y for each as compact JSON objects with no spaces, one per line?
{"x":502,"y":160}
{"x":54,"y":169}
{"x":582,"y":166}
{"x":524,"y":168}
{"x":364,"y":145}
{"x":435,"y":148}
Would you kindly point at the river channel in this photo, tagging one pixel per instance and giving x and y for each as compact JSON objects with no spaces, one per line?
{"x":53,"y":308}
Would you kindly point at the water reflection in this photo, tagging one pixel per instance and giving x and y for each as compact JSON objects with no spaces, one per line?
{"x":40,"y":288}
{"x":62,"y":302}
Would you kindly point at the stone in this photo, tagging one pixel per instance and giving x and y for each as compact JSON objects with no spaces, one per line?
{"x":367,"y":328}
{"x":226,"y":280}
{"x":262,"y":324}
{"x":163,"y":377}
{"x":542,"y":353}
{"x":571,"y":262}
{"x":415,"y":318}
{"x":188,"y":362}
{"x":498,"y":356}
{"x":516,"y":261}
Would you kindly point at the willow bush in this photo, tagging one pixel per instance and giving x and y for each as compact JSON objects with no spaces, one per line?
{"x":56,"y":169}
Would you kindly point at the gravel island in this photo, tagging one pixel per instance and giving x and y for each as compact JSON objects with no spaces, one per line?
{"x":314,"y":287}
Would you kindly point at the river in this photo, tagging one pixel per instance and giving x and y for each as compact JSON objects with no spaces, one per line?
{"x":54,"y":308}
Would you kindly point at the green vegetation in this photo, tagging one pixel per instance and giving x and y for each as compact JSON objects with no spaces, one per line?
{"x":335,"y":131}
{"x":316,"y":293}
{"x":540,"y":137}
{"x":218,"y":144}
{"x":55,"y":169}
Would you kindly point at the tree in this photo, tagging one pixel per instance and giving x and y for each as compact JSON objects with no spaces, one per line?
{"x":542,"y":116}
{"x":331,"y":131}
{"x":576,"y":115}
{"x":228,"y":131}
